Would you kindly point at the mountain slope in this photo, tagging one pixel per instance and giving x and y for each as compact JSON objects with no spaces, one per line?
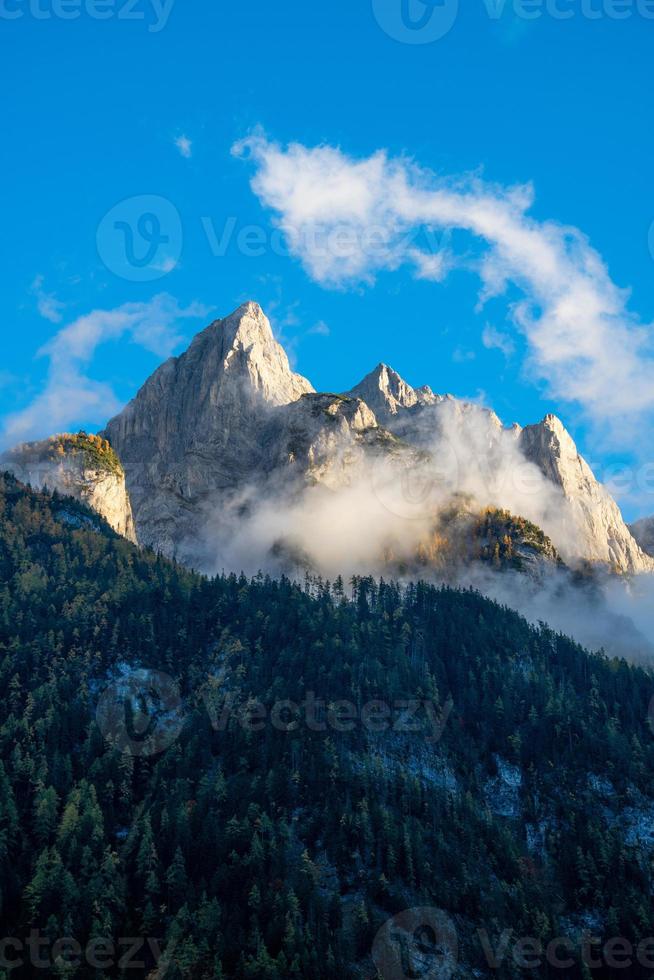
{"x":595,"y":515}
{"x":194,"y":428}
{"x":517,"y":796}
{"x":81,"y":466}
{"x":592,"y":528}
{"x":228,"y":434}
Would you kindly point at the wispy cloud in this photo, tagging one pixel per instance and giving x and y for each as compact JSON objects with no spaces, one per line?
{"x":320,"y":329}
{"x":582,"y":338}
{"x":70,"y":395}
{"x":47,"y":304}
{"x":494,"y":339}
{"x":185,"y":146}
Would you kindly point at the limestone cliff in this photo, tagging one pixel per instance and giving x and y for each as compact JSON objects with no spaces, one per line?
{"x":604,"y":536}
{"x":80,"y":466}
{"x":228,"y":425}
{"x":196,"y":429}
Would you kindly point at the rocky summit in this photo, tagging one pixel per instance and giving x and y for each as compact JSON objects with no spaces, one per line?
{"x":227,"y":435}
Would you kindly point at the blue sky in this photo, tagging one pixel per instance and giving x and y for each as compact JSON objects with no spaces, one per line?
{"x":97,"y":112}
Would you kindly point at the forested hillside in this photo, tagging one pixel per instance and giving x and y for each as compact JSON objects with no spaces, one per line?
{"x":264,"y":841}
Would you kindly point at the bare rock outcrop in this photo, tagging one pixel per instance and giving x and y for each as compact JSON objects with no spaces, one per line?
{"x":81,"y":466}
{"x":229,"y":423}
{"x":604,"y":536}
{"x":196,"y":428}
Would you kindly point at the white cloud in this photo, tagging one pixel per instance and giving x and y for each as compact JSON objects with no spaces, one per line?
{"x":185,"y":146}
{"x":582,"y":338}
{"x":320,"y":329}
{"x":460,"y":355}
{"x":432,"y":267}
{"x":167,"y":264}
{"x":494,"y":339}
{"x":70,"y":395}
{"x":49,"y":307}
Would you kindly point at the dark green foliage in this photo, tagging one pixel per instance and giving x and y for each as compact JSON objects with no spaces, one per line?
{"x":253,"y":853}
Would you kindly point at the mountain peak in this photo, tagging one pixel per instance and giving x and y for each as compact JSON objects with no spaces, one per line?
{"x":242,"y":347}
{"x":245,"y":327}
{"x":387,"y":393}
{"x":554,"y":424}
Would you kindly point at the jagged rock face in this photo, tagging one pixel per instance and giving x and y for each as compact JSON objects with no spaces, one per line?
{"x":417,"y":415}
{"x":604,"y":536}
{"x":79,"y":467}
{"x":387,"y":394}
{"x":320,"y":438}
{"x":228,"y":423}
{"x":643,"y":532}
{"x":595,"y":530}
{"x":196,"y":428}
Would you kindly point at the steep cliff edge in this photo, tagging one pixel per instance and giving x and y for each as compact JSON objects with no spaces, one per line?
{"x":195,"y":429}
{"x":604,"y":536}
{"x":228,"y":427}
{"x":81,"y":466}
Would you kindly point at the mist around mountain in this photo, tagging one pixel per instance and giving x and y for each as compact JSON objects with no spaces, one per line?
{"x":491,"y":773}
{"x":643,"y":532}
{"x":228,"y":460}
